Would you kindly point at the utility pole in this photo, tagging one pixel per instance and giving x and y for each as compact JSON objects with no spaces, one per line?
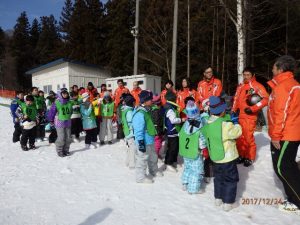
{"x":188,"y":41}
{"x":174,"y":48}
{"x":135,"y":33}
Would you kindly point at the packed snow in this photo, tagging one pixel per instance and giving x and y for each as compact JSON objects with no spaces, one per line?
{"x":94,"y":187}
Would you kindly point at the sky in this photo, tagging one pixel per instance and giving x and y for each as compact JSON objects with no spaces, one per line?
{"x":10,"y":10}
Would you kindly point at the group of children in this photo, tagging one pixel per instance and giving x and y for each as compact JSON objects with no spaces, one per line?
{"x":189,"y":134}
{"x":66,"y":115}
{"x":195,"y":136}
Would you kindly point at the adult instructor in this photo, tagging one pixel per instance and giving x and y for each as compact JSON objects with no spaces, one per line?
{"x":284,"y":129}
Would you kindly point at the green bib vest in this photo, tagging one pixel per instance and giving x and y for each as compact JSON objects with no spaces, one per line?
{"x":39,"y":101}
{"x":64,"y":110}
{"x":189,"y":144}
{"x":75,"y":106}
{"x":30,"y":111}
{"x":149,"y":123}
{"x":107,"y":110}
{"x":213,"y":136}
{"x":124,"y":122}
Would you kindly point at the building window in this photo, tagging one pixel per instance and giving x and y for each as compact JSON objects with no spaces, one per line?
{"x":58,"y":87}
{"x":64,"y":85}
{"x":140,"y":82}
{"x":49,"y":88}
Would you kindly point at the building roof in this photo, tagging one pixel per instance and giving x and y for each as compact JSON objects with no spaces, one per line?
{"x":58,"y":62}
{"x":132,"y":77}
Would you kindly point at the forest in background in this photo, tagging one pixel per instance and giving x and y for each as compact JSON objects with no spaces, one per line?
{"x":97,"y":33}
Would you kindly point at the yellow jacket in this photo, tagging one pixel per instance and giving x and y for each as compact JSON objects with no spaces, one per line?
{"x":96,"y":107}
{"x":230,"y":133}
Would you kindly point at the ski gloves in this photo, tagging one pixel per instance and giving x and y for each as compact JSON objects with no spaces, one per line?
{"x":142,"y":146}
{"x":234,"y":118}
{"x":248,"y":111}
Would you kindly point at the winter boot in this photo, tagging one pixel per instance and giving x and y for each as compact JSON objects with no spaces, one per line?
{"x":240,"y":160}
{"x":289,"y":207}
{"x":146,"y":180}
{"x":227,"y":207}
{"x":171,"y":169}
{"x":61,"y":154}
{"x":218,"y":202}
{"x":32,"y":147}
{"x":95,"y":145}
{"x":248,"y":162}
{"x":24,"y":147}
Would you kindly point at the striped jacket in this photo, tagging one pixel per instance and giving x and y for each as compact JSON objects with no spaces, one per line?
{"x":284,"y":108}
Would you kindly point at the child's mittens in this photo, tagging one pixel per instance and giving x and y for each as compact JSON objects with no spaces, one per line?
{"x":234,"y":118}
{"x":142,"y":146}
{"x":205,"y":153}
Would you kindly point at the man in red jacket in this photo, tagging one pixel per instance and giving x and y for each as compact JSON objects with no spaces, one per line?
{"x":135,"y":92}
{"x":209,"y":86}
{"x":117,"y":95}
{"x":284,"y":126}
{"x":248,"y":114}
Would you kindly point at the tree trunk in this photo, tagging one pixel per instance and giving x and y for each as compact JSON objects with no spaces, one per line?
{"x":213,"y":40}
{"x":188,"y":39}
{"x":241,"y":37}
{"x":218,"y":44}
{"x":224,"y":46}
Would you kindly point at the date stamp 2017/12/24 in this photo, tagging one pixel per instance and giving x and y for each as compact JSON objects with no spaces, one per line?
{"x":261,"y":201}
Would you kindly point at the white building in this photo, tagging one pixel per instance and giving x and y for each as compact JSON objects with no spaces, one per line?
{"x":66,"y":73}
{"x":146,"y":82}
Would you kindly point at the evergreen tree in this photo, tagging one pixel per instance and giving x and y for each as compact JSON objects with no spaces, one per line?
{"x":64,"y":23}
{"x":49,"y":40}
{"x":34,"y":38}
{"x":35,"y":32}
{"x":21,"y":49}
{"x":95,"y":37}
{"x":119,"y":42}
{"x":2,"y":44}
{"x":78,"y":31}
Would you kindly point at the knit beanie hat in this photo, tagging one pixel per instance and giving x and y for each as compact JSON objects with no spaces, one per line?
{"x":216,"y":105}
{"x":171,"y":96}
{"x":145,"y":96}
{"x":129,"y":100}
{"x":192,"y":111}
{"x":85,"y":96}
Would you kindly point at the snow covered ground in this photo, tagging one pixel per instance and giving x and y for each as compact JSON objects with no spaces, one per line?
{"x":94,"y":187}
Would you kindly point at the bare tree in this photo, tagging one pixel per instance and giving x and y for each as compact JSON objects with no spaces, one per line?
{"x":238,"y":21}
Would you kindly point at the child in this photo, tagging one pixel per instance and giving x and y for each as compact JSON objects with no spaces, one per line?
{"x":157,"y":114}
{"x":60,"y":112}
{"x":220,"y":134}
{"x":127,"y":109}
{"x":107,"y":114}
{"x":89,"y":122}
{"x":14,"y":108}
{"x":96,"y":106}
{"x":191,"y":141}
{"x":172,"y":126}
{"x":28,"y":117}
{"x":76,"y":123}
{"x":144,"y":133}
{"x":42,"y":108}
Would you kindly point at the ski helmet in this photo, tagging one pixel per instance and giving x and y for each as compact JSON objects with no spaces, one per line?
{"x":253,"y":99}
